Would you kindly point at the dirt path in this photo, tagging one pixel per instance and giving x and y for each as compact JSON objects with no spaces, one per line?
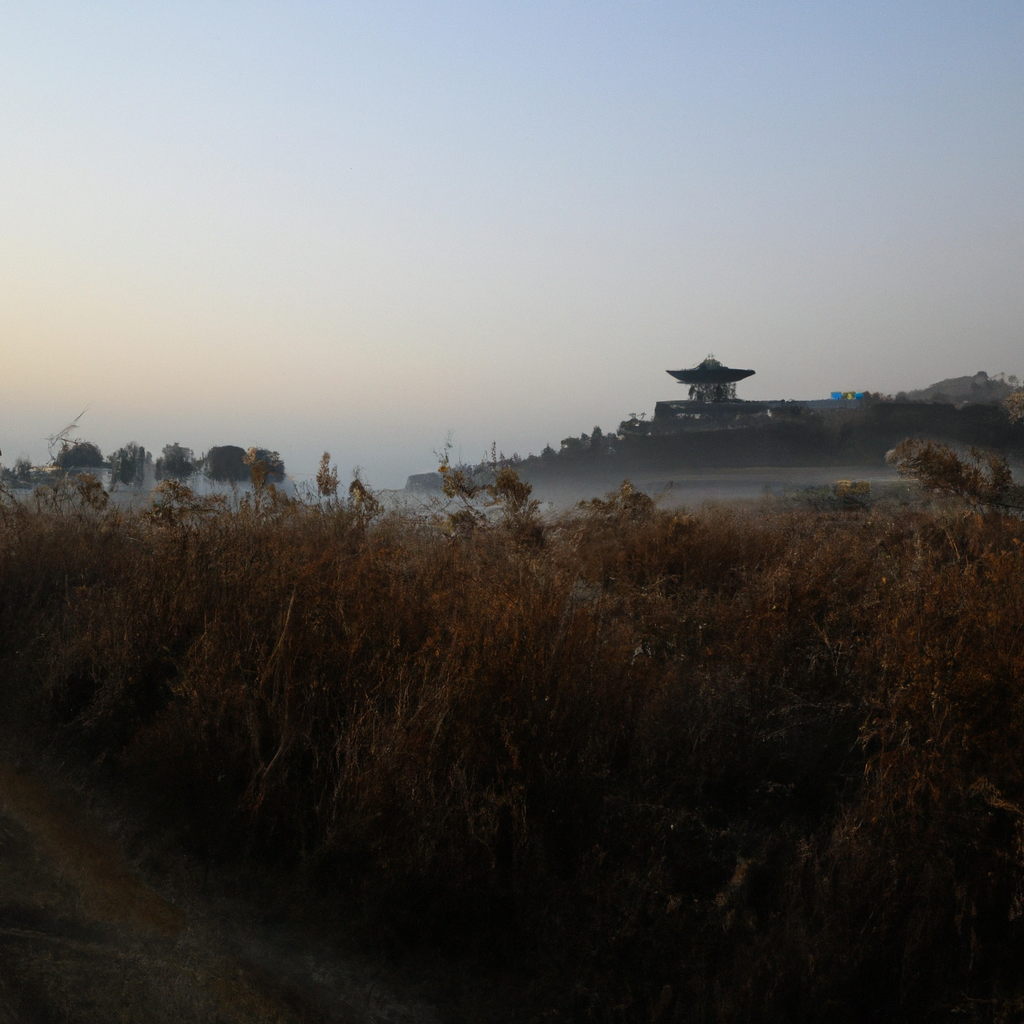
{"x":85,"y":937}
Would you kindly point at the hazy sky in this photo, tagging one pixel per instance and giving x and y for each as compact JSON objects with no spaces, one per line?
{"x":357,"y":226}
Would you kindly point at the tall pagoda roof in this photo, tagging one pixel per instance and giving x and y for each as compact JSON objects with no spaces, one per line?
{"x":710,"y":371}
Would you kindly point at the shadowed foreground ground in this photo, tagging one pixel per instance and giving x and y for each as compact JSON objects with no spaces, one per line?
{"x":85,"y":937}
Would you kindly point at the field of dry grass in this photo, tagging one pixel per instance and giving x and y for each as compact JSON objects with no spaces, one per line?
{"x":745,"y":763}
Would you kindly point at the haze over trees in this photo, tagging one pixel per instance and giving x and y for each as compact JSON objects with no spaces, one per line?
{"x":221,"y":464}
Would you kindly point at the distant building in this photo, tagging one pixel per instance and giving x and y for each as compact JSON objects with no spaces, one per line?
{"x":711,"y":381}
{"x":425,"y":483}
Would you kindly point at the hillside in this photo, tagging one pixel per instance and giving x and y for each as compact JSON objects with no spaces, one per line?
{"x":977,"y":389}
{"x":795,"y":437}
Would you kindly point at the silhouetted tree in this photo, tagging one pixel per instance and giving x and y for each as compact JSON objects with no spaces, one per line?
{"x":226,"y":464}
{"x":78,"y":455}
{"x":128,"y":464}
{"x":176,"y":463}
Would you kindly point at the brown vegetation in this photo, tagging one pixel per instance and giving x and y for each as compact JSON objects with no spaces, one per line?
{"x":982,"y":479}
{"x":736,"y":765}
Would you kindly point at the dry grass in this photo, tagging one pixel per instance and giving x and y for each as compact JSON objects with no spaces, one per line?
{"x":727,"y":766}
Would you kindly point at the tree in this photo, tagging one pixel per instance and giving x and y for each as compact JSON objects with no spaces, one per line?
{"x":128,"y":464}
{"x":78,"y":455}
{"x":226,"y":464}
{"x":176,"y":463}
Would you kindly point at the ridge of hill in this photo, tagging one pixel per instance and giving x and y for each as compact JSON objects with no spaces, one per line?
{"x":981,"y":388}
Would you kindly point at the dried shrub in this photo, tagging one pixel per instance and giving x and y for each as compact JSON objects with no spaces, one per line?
{"x":728,"y":765}
{"x":1015,"y":406}
{"x":982,"y":479}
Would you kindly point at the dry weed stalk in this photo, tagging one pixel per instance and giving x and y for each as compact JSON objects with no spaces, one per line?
{"x":762,"y":761}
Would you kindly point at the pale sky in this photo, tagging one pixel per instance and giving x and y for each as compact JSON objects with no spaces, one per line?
{"x":357,"y":227}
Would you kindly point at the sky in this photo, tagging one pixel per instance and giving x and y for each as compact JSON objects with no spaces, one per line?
{"x":364,"y":227}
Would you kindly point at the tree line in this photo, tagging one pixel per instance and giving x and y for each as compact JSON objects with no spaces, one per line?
{"x":132,"y":464}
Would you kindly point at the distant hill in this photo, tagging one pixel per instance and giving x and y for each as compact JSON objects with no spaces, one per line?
{"x":800,"y":436}
{"x":956,"y":390}
{"x":959,"y":411}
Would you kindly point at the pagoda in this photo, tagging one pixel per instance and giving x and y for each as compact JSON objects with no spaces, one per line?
{"x":710,"y":381}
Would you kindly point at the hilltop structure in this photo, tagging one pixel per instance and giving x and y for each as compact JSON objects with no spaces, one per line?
{"x":711,"y":381}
